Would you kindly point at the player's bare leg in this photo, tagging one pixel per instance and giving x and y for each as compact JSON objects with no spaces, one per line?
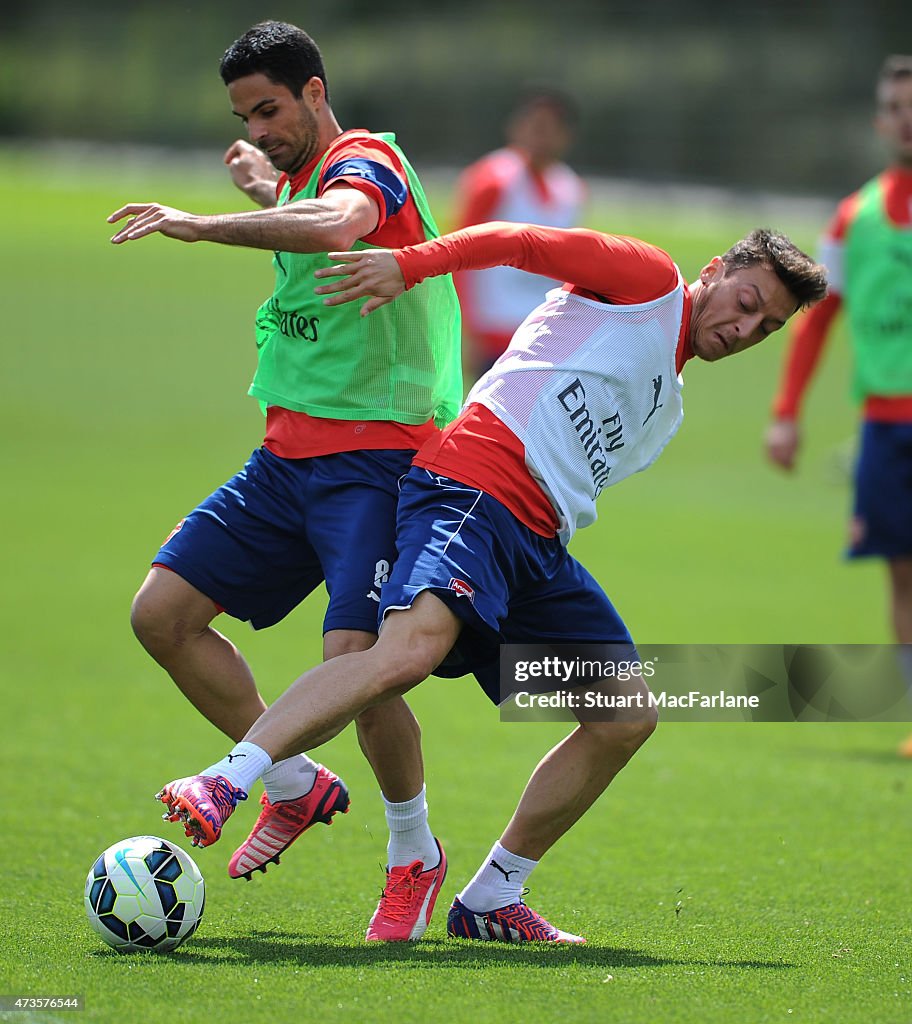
{"x":564,"y":785}
{"x":325,"y":699}
{"x":900,"y":573}
{"x":568,"y":780}
{"x":314,"y":709}
{"x":388,"y":734}
{"x":172,"y":620}
{"x":390,"y":738}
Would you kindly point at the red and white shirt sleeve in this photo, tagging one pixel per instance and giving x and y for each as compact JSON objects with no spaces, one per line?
{"x":611,"y":268}
{"x":608,"y":268}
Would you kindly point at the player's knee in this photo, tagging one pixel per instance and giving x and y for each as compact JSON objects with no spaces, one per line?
{"x":157,"y":626}
{"x":404,"y":666}
{"x":146,"y":619}
{"x":648,"y":725}
{"x":627,"y":736}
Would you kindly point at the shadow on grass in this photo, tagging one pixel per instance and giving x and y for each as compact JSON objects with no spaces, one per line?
{"x":275,"y":947}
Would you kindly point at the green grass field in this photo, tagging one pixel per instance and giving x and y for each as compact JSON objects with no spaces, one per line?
{"x":734,"y":872}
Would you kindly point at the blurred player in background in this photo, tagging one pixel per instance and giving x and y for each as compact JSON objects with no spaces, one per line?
{"x":867,"y":250}
{"x":587,"y":393}
{"x":525,"y":181}
{"x":347,"y":404}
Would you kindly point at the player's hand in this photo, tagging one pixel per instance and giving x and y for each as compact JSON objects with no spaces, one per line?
{"x":783,"y":439}
{"x":151,"y":217}
{"x":372,"y":272}
{"x":252,"y":172}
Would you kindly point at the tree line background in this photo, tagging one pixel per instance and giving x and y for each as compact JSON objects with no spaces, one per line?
{"x":758,"y":96}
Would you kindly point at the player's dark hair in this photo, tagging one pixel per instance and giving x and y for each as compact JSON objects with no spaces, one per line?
{"x":805,"y":279}
{"x":536,"y":95}
{"x":894,"y":67}
{"x":283,"y":53}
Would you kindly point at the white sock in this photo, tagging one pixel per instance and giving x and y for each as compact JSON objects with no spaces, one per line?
{"x":291,"y":778}
{"x":498,"y":882}
{"x":242,"y":767}
{"x":410,"y":837}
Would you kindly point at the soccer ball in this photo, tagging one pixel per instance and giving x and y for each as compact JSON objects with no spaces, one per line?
{"x":144,"y":893}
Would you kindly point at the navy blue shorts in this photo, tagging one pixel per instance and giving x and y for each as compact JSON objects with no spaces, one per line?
{"x":882,"y":522}
{"x":505,"y":582}
{"x":273,"y":533}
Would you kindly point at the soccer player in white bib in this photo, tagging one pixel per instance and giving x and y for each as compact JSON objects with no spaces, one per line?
{"x":587,"y":393}
{"x":526,"y":181}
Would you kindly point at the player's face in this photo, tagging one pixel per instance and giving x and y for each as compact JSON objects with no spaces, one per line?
{"x":542,"y":133}
{"x":894,"y":118}
{"x":283,"y":125}
{"x":736,"y":309}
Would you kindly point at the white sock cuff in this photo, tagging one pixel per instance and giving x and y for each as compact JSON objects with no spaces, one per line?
{"x":408,"y":814}
{"x":498,"y":882}
{"x":511,"y":861}
{"x":291,"y":778}
{"x":289,"y":767}
{"x":243,"y":766}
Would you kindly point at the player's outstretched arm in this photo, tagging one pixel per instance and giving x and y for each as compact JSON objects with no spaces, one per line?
{"x":625,"y":268}
{"x":334,"y":221}
{"x":373,"y":273}
{"x":151,"y":217}
{"x":252,"y":172}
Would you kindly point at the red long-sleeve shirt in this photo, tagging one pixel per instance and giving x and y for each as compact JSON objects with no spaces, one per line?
{"x":478,"y":448}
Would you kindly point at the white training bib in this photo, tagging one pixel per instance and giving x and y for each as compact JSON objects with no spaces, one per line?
{"x":592,"y":392}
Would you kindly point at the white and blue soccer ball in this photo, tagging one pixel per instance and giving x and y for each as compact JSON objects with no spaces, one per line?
{"x":144,"y":893}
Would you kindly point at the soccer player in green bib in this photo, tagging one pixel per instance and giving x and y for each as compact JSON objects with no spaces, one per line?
{"x":348,"y":400}
{"x":867,"y":250}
